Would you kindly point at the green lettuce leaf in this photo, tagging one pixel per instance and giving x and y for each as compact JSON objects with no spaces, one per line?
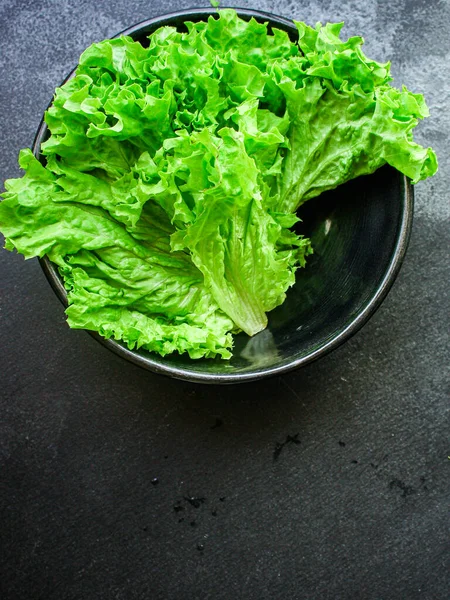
{"x":131,"y":287}
{"x":232,"y":238}
{"x":346,"y":120}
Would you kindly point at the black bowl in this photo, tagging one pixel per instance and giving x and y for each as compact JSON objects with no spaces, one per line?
{"x":360,"y":233}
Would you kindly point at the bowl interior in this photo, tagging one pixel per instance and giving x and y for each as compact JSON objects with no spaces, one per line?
{"x":359,"y":233}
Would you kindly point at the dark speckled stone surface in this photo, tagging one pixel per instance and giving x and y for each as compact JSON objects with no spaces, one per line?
{"x":359,"y":509}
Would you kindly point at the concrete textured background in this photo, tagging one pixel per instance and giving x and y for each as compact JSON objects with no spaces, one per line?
{"x":359,"y":509}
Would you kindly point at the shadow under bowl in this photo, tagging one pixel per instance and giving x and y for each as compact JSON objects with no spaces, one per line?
{"x":359,"y":232}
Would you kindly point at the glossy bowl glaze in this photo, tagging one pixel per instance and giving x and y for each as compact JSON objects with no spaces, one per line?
{"x":359,"y":232}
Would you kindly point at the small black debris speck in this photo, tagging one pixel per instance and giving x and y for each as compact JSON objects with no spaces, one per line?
{"x":290,"y":439}
{"x":195,"y":502}
{"x":217,"y":424}
{"x":214,"y":513}
{"x":177,"y":508}
{"x":222,"y":499}
{"x":166,"y":456}
{"x":193,"y":524}
{"x":342,"y":444}
{"x":406,"y":490}
{"x":155,"y":481}
{"x":145,"y":529}
{"x":354,"y":462}
{"x":181,"y":520}
{"x":277,"y":451}
{"x":200,"y":547}
{"x":422,"y":481}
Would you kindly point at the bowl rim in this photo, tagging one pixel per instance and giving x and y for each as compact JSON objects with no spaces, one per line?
{"x":146,"y":361}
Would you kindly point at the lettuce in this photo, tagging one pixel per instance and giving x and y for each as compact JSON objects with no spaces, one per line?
{"x":172,"y":174}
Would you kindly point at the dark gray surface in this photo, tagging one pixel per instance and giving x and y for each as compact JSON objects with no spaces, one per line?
{"x":82,"y":433}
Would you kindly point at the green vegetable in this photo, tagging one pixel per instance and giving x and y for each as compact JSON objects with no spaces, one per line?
{"x":173,"y":174}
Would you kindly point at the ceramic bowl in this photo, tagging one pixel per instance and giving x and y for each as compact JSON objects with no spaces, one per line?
{"x":359,"y":232}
